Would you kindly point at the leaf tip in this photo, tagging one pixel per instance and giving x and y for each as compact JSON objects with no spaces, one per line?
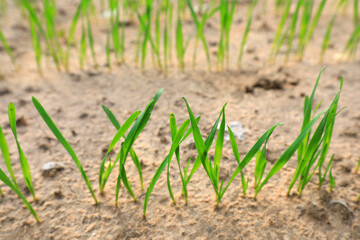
{"x":341,"y":82}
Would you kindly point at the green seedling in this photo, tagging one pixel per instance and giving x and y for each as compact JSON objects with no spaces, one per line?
{"x":357,"y":166}
{"x":185,"y":174}
{"x":247,"y":30}
{"x":145,"y":28}
{"x":260,"y":160}
{"x":177,"y":137}
{"x":308,"y":148}
{"x":285,"y":157}
{"x":279,"y":4}
{"x":213,"y":170}
{"x":157,"y":32}
{"x":277,"y":43}
{"x":327,"y":171}
{"x":133,"y":155}
{"x":352,"y":44}
{"x":167,"y":9}
{"x":5,"y":152}
{"x":138,"y":42}
{"x":48,"y":33}
{"x":170,"y":12}
{"x":8,"y":182}
{"x":356,"y":13}
{"x":260,"y":165}
{"x":7,"y":48}
{"x":49,"y":122}
{"x":71,"y":35}
{"x":83,"y":12}
{"x":307,"y":30}
{"x":51,"y":32}
{"x":244,"y":182}
{"x":23,"y":161}
{"x":331,"y":180}
{"x":200,"y":24}
{"x":114,"y":24}
{"x":175,"y":148}
{"x":108,"y":50}
{"x":180,"y":45}
{"x":135,"y":131}
{"x":293,"y":28}
{"x":308,"y":24}
{"x":227,"y":11}
{"x":327,"y":137}
{"x":314,"y":150}
{"x":302,"y":141}
{"x":34,"y":34}
{"x":104,"y":173}
{"x":327,"y":36}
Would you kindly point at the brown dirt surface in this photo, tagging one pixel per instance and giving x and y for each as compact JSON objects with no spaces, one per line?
{"x":259,"y":95}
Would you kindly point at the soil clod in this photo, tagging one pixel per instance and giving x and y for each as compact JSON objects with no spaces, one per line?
{"x":4,"y":91}
{"x":341,"y":211}
{"x":316,"y":212}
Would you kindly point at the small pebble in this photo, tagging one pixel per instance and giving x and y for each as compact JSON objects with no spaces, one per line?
{"x":49,"y":169}
{"x":238,"y":130}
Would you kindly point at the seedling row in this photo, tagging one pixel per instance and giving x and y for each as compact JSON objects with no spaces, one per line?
{"x":161,"y":35}
{"x":311,"y":145}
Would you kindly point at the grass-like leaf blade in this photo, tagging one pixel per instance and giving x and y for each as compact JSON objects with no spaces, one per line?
{"x":8,"y":182}
{"x":23,"y":161}
{"x":49,"y":122}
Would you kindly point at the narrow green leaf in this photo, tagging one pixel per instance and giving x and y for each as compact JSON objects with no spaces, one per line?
{"x":179,"y":135}
{"x":8,"y":182}
{"x":6,"y":156}
{"x":331,"y":179}
{"x":63,"y":141}
{"x":285,"y":157}
{"x":23,"y":161}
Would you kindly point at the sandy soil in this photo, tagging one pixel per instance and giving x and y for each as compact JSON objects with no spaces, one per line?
{"x":259,"y":95}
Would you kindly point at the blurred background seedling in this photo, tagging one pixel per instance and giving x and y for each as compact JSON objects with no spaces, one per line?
{"x":160,"y":30}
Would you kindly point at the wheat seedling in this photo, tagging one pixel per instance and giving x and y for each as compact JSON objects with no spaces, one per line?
{"x":23,"y":161}
{"x":226,"y":18}
{"x":104,"y":174}
{"x":49,"y":122}
{"x":8,"y":182}
{"x":247,"y":30}
{"x":135,"y":131}
{"x":5,"y":152}
{"x":200,"y":24}
{"x":213,"y":170}
{"x":177,"y":138}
